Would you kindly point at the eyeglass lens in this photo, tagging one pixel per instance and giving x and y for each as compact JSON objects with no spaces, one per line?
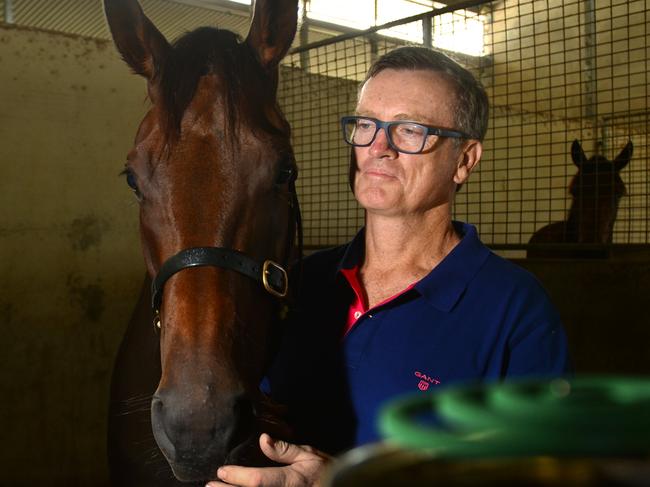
{"x":404,"y":136}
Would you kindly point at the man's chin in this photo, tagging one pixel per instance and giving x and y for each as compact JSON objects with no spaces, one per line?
{"x":377,"y":199}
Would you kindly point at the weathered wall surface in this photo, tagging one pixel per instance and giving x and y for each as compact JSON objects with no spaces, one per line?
{"x":70,"y":262}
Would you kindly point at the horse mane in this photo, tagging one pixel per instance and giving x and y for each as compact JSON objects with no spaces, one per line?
{"x":208,"y":50}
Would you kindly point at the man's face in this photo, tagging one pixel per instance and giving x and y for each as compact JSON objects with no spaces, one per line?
{"x":393,"y":183}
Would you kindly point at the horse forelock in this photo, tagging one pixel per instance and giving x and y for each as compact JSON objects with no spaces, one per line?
{"x":204,"y":51}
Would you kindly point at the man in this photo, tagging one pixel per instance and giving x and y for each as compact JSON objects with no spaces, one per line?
{"x":415,"y":302}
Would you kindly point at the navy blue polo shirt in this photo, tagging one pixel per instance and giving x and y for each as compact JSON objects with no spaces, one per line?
{"x":475,"y":317}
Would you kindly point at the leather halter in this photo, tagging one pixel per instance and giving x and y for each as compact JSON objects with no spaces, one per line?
{"x":270,"y":274}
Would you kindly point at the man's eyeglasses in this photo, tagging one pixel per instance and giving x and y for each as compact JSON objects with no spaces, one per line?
{"x":403,"y":136}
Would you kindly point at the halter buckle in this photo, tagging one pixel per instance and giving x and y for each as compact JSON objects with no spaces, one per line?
{"x":156,"y":321}
{"x":268,"y":268}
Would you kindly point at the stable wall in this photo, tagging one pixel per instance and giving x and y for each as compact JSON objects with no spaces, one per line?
{"x":70,"y":262}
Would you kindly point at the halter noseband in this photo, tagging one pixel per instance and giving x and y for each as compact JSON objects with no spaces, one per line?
{"x":272,"y":276}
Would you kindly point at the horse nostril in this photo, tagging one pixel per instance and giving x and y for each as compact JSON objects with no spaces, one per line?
{"x":156,"y":404}
{"x":158,"y":426}
{"x":156,"y":411}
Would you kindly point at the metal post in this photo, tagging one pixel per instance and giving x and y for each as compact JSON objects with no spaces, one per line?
{"x":427,"y":32}
{"x":591,"y":94}
{"x":9,"y":12}
{"x":304,"y":36}
{"x":374,"y":48}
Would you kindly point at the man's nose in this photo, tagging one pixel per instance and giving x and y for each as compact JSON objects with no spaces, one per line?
{"x":380,"y":145}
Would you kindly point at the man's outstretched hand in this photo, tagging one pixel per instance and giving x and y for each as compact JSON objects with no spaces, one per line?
{"x":304,"y":467}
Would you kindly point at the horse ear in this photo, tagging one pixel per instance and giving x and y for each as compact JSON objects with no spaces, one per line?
{"x":141,"y":45}
{"x":272,"y":30}
{"x":577,"y":154}
{"x":624,"y":157}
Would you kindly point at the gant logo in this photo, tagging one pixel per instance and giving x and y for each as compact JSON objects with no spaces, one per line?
{"x":425,"y":380}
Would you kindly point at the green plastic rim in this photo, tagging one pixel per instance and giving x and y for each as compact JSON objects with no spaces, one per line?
{"x":591,"y":415}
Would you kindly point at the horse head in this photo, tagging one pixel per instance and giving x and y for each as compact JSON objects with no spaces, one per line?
{"x":213,"y":171}
{"x":596,"y":190}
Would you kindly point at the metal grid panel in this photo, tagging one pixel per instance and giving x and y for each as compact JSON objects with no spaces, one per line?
{"x":313,"y":100}
{"x":554,"y":71}
{"x":561,"y":71}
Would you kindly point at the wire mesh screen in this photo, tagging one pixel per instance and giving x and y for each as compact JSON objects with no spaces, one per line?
{"x":555,"y":72}
{"x":314,"y":99}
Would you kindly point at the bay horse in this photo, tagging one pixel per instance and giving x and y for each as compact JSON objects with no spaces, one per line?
{"x":214,"y":173}
{"x":596,"y":191}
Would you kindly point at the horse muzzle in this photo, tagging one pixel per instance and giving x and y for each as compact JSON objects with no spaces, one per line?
{"x":198,"y":435}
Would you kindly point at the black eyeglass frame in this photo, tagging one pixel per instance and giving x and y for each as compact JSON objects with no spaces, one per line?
{"x":380,"y":124}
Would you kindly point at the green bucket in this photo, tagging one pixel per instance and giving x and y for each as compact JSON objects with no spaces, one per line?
{"x":585,"y":431}
{"x":585,"y":416}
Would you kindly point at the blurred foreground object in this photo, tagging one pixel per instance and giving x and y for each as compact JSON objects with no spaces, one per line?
{"x":588,"y":431}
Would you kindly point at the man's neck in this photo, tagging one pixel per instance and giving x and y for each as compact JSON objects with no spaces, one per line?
{"x":420,"y":241}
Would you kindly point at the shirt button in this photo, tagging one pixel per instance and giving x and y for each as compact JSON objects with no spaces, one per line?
{"x":357,"y":314}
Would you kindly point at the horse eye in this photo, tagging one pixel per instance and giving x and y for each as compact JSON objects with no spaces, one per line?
{"x":131,"y":180}
{"x":287,"y":173}
{"x":284,"y":175}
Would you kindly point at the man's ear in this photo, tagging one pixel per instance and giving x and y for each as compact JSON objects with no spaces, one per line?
{"x":469,"y":158}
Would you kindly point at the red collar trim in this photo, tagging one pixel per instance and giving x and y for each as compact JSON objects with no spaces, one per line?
{"x":359,"y":305}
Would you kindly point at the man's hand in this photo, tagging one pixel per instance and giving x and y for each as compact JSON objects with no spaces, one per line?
{"x":304,"y":467}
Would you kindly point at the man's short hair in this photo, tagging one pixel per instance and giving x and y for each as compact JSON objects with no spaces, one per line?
{"x":471,"y":106}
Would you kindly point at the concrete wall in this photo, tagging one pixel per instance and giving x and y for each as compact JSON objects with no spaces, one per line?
{"x":70,"y":262}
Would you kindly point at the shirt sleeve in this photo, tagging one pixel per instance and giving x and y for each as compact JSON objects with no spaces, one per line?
{"x":537,"y":345}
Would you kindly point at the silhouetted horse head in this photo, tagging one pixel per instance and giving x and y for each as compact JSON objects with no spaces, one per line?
{"x":213,"y":170}
{"x":596,"y":191}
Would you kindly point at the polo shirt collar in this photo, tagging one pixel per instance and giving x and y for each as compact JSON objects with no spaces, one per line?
{"x":355,"y":251}
{"x":445,"y":284}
